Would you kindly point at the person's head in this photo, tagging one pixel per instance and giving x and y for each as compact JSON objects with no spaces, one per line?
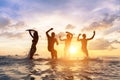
{"x":68,"y":36}
{"x":84,"y":36}
{"x":53,"y":34}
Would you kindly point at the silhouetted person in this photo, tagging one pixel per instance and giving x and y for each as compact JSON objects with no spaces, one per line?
{"x":35,"y":37}
{"x":84,"y":43}
{"x":68,"y":39}
{"x":51,"y":41}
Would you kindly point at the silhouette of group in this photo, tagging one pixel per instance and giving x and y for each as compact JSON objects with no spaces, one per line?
{"x":52,"y":40}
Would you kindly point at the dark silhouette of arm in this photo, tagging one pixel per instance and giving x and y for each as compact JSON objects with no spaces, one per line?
{"x":78,"y":38}
{"x":48,"y":31}
{"x":92,"y":36}
{"x":30,"y":32}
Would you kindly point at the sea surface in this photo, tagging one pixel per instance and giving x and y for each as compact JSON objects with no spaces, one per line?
{"x":20,"y":68}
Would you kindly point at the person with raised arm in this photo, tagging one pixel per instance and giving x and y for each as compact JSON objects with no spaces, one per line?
{"x":84,"y":41}
{"x":34,"y":34}
{"x":68,"y":39}
{"x":51,"y":42}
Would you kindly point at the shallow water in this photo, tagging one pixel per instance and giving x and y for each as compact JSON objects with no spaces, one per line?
{"x":19,"y":68}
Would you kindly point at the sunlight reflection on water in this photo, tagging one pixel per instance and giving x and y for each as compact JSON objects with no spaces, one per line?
{"x":12,"y":68}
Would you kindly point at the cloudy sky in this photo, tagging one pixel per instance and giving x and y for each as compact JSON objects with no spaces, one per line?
{"x":76,"y":16}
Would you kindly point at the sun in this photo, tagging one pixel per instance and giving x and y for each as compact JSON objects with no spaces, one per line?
{"x":73,"y":50}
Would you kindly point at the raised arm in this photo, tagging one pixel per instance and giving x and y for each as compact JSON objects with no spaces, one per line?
{"x":61,"y":39}
{"x":48,"y":31}
{"x":78,"y":37}
{"x":71,"y":35}
{"x":30,"y":32}
{"x":92,"y":36}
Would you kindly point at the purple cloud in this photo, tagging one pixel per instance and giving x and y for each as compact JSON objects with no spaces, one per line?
{"x":106,"y":22}
{"x":70,"y":26}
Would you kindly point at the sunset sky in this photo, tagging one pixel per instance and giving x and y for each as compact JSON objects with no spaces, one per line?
{"x":76,"y":16}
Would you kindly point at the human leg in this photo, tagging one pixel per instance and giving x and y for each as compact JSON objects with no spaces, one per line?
{"x":52,"y":55}
{"x":51,"y":51}
{"x":55,"y":54}
{"x":85,"y":52}
{"x":32,"y":51}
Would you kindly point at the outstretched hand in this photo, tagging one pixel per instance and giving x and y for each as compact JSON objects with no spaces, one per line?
{"x":30,"y":30}
{"x":67,"y":32}
{"x":51,"y":28}
{"x":79,"y":34}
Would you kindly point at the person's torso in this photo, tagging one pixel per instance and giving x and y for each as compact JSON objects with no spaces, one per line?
{"x":84,"y":43}
{"x":51,"y":41}
{"x":35,"y":39}
{"x":67,"y":42}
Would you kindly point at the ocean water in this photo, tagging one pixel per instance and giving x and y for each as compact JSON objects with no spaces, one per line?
{"x":20,"y":68}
